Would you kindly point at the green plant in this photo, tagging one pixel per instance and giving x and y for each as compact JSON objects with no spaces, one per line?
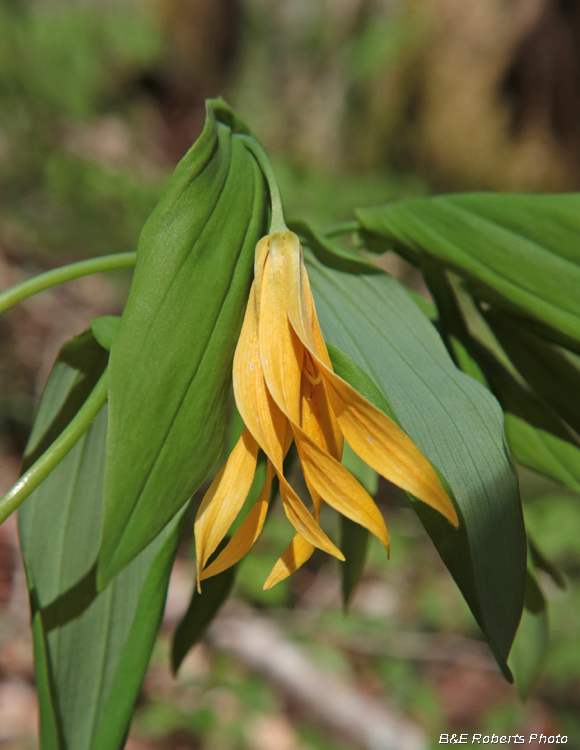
{"x":133,"y":416}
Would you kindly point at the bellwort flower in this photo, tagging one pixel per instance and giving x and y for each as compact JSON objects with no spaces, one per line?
{"x":286,"y":390}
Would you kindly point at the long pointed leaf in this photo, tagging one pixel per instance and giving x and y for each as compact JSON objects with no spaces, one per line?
{"x":170,"y":369}
{"x":519,"y":251}
{"x":538,"y":438}
{"x":531,"y":643}
{"x":456,"y":423}
{"x":353,"y":537}
{"x":91,"y":649}
{"x":543,"y":365}
{"x":203,"y":607}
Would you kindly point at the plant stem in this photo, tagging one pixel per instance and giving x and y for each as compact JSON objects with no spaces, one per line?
{"x":277,"y":223}
{"x":60,"y":275}
{"x":67,"y":439}
{"x":347,"y":227}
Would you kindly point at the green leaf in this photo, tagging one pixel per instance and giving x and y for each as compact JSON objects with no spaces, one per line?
{"x":536,"y":435}
{"x":518,"y":251}
{"x":79,"y":366}
{"x":353,"y":373}
{"x":537,"y":438}
{"x":353,"y":537}
{"x":330,"y":253}
{"x":528,"y":654}
{"x":354,"y":541}
{"x":91,"y":649}
{"x":516,"y":398}
{"x":357,"y":467}
{"x":105,"y":329}
{"x":542,"y":452}
{"x":170,"y":368}
{"x":544,"y":366}
{"x":455,"y":422}
{"x":541,"y":562}
{"x":56,"y":444}
{"x":202,"y":609}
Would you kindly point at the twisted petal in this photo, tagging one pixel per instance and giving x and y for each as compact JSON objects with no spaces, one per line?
{"x":317,"y":419}
{"x":295,"y":555}
{"x":304,"y":523}
{"x":340,"y":489}
{"x":371,"y":434}
{"x":387,"y":449}
{"x":282,"y":358}
{"x":257,"y":408}
{"x":250,"y":529}
{"x":224,"y":499}
{"x":267,"y":424}
{"x":281,"y":351}
{"x":320,"y":456}
{"x":316,"y":416}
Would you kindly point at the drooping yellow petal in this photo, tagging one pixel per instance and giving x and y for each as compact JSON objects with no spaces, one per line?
{"x":304,"y":523}
{"x":249,"y":530}
{"x":296,"y":553}
{"x":339,"y":488}
{"x":371,"y":434}
{"x":257,"y":408}
{"x":342,"y":491}
{"x":282,"y":360}
{"x":260,"y":255}
{"x":281,"y":351}
{"x":225,"y":498}
{"x":316,"y":416}
{"x":299,"y":301}
{"x":267,"y":424}
{"x":386,"y":448}
{"x":316,"y":419}
{"x":293,"y":557}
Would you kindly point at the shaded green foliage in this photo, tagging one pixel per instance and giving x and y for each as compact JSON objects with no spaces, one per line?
{"x":91,"y":649}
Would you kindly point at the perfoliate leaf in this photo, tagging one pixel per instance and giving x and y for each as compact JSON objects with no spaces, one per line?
{"x":538,"y":438}
{"x":170,"y":367}
{"x":518,"y":251}
{"x":91,"y":649}
{"x":455,"y":422}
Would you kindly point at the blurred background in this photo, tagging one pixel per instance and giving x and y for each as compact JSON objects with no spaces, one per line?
{"x":359,"y":102}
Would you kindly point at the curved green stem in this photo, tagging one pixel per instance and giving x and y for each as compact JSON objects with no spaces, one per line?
{"x":67,"y":439}
{"x":277,"y":223}
{"x":347,"y":227}
{"x":66,"y":273}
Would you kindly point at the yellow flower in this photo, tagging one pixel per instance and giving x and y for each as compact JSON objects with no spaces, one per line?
{"x":285,"y":389}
